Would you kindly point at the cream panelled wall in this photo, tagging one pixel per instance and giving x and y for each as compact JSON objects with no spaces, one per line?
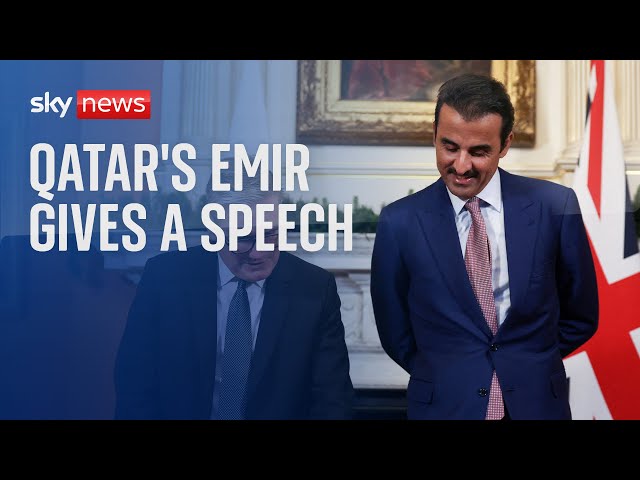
{"x":211,"y":97}
{"x":381,"y":174}
{"x":378,"y":175}
{"x":627,"y":92}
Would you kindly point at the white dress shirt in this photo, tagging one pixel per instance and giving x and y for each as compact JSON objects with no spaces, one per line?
{"x":493,"y":213}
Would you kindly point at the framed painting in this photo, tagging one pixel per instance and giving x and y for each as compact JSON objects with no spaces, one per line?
{"x":392,"y":102}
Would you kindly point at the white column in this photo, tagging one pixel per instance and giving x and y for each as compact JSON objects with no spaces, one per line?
{"x":199,"y":104}
{"x":628,"y":101}
{"x":196,"y":109}
{"x":576,"y":81}
{"x":249,"y":124}
{"x":281,"y":100}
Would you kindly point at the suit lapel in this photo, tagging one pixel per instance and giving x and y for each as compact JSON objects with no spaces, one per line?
{"x":521,"y":228}
{"x":204,"y":314}
{"x":274,"y":312}
{"x":438,"y":225}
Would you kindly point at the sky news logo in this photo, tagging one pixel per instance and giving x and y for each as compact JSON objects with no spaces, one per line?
{"x":98,"y":104}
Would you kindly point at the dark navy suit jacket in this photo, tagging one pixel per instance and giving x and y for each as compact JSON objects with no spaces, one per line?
{"x":430,"y":322}
{"x":166,"y":361}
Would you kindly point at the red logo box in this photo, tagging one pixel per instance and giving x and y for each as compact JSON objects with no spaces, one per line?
{"x":113,"y":104}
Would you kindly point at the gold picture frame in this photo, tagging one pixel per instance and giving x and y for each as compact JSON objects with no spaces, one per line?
{"x":325,"y":116}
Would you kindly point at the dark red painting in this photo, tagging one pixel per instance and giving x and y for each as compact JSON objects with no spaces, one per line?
{"x":402,"y":80}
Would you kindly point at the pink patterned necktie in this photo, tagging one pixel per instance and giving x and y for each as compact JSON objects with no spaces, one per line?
{"x":478,"y":262}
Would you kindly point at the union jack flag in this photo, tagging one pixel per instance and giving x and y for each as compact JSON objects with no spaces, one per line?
{"x":604,"y":373}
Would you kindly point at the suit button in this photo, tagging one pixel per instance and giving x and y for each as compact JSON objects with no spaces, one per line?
{"x":493,"y":347}
{"x":482,"y":392}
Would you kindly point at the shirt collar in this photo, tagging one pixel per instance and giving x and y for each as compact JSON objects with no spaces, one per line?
{"x":491,"y":194}
{"x":225,"y":275}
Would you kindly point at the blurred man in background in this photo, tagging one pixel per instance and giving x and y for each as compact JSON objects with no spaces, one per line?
{"x":232,"y":335}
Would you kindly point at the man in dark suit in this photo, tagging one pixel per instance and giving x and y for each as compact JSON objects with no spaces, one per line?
{"x":181,"y":356}
{"x":483,"y":282}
